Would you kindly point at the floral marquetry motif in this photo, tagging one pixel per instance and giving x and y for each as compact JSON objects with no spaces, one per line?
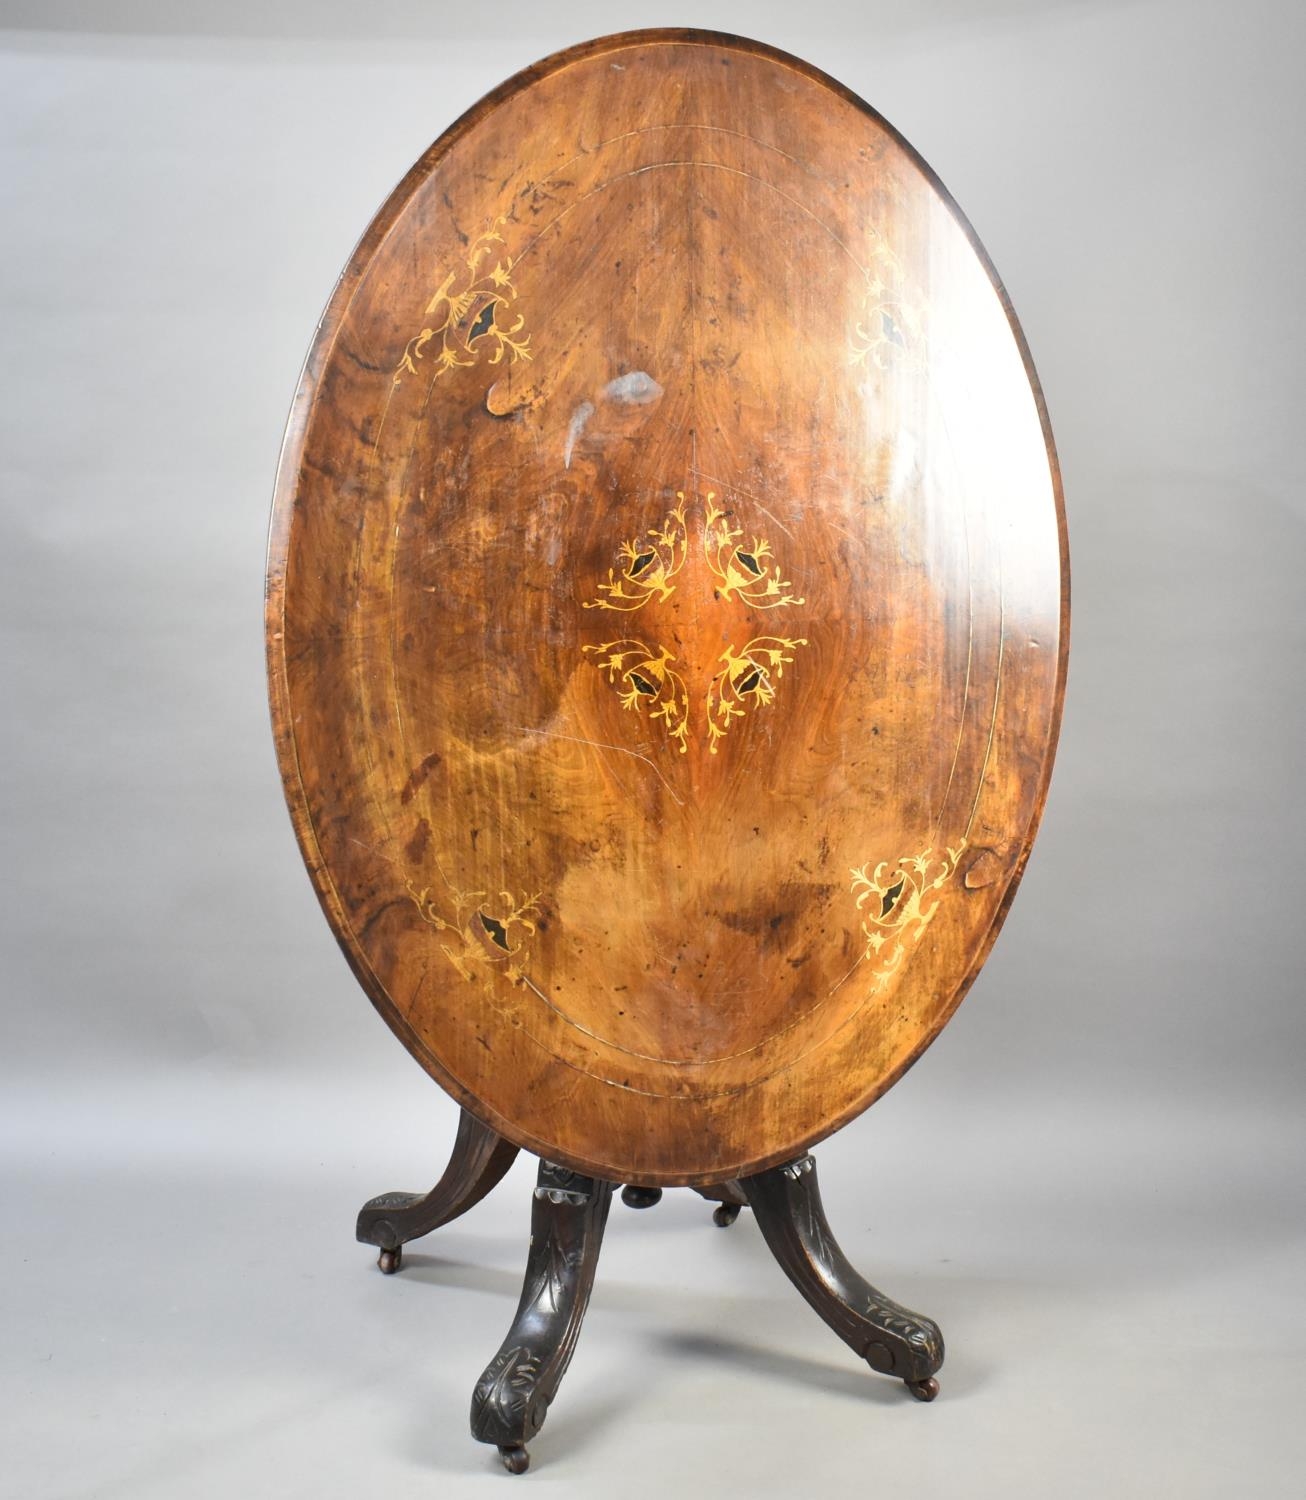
{"x":747,"y":679}
{"x":648,"y":683}
{"x":739,"y":679}
{"x":478,"y":930}
{"x":745,"y":570}
{"x":897,"y":901}
{"x":649,"y":566}
{"x":471,"y":313}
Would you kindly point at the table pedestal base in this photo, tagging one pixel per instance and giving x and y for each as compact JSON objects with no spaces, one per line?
{"x":568,"y":1216}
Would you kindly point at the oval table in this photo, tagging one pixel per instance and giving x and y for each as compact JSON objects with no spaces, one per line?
{"x":667,"y":624}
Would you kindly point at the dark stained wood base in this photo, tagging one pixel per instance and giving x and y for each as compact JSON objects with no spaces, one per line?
{"x":568,"y":1216}
{"x":479,"y":1161}
{"x":512,"y":1397}
{"x":729,"y":1198}
{"x":635,"y":1196}
{"x":786,"y":1203}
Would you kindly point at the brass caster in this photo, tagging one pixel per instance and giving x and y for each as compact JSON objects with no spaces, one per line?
{"x":391,"y":1260}
{"x":515,"y":1459}
{"x":640,"y":1197}
{"x":725,"y":1215}
{"x":923,"y":1390}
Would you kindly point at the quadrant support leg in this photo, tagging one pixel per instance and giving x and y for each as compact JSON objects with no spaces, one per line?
{"x":512,"y":1397}
{"x":479,"y":1160}
{"x":786,"y":1202}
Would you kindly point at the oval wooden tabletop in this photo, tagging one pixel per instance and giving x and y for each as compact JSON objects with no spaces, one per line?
{"x":667,"y":607}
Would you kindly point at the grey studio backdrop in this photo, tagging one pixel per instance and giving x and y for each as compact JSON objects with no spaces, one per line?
{"x":1094,"y":1180}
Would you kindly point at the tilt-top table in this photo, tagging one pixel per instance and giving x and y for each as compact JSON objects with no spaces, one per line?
{"x":667,"y":626}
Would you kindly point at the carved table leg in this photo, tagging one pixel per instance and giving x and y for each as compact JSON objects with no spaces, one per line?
{"x":480,"y":1159}
{"x":512,"y":1397}
{"x":787,"y":1205}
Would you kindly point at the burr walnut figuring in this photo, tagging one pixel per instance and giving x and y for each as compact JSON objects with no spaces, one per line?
{"x":667,"y":626}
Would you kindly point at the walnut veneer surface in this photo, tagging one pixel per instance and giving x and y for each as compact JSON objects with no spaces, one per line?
{"x":667,"y":608}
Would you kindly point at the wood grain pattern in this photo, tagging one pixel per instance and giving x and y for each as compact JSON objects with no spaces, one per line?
{"x":667,"y":608}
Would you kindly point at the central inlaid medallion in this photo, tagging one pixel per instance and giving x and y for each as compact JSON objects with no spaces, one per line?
{"x":732,"y":567}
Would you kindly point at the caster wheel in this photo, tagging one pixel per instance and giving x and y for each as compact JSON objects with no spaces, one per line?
{"x":391,"y":1260}
{"x":725,"y":1215}
{"x":640,"y":1197}
{"x":923,"y":1390}
{"x":516,"y":1460}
